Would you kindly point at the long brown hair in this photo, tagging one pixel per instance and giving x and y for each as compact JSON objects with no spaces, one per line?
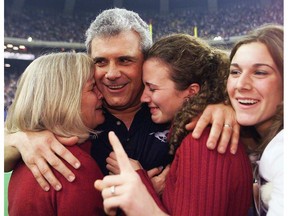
{"x":271,"y":35}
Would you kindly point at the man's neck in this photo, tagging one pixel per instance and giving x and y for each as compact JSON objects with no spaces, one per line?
{"x":125,"y":115}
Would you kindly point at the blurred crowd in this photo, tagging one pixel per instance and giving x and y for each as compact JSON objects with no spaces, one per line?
{"x":10,"y":80}
{"x":236,"y":20}
{"x":230,"y":21}
{"x":54,"y":26}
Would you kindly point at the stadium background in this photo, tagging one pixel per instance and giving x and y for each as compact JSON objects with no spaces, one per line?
{"x":35,"y":27}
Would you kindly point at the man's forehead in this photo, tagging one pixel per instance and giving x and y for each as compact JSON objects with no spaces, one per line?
{"x":127,"y":38}
{"x":114,"y":49}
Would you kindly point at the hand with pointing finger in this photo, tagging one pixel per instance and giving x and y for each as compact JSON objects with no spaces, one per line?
{"x":126,"y":190}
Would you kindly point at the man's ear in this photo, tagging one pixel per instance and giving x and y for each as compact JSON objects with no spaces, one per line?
{"x":194,"y":88}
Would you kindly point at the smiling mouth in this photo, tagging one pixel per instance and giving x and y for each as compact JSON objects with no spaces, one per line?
{"x":247,"y":101}
{"x":115,"y":87}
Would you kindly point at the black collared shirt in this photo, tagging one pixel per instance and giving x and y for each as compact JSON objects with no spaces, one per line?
{"x":145,"y":141}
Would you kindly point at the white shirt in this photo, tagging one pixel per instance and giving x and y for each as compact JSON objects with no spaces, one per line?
{"x":271,"y":168}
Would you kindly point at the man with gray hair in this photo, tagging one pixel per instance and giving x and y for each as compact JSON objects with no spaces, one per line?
{"x":117,"y":40}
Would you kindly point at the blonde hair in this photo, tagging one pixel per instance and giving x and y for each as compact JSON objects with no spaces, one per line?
{"x":49,"y":94}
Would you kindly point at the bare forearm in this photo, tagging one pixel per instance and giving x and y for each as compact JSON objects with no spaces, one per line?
{"x":11,"y":154}
{"x":39,"y":150}
{"x":11,"y":158}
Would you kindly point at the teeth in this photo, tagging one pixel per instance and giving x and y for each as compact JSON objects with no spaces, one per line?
{"x":247,"y":101}
{"x":116,"y":86}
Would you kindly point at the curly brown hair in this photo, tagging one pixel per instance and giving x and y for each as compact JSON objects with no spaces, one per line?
{"x":192,"y":61}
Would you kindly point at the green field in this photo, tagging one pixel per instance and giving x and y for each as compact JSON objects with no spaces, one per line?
{"x":6,"y":181}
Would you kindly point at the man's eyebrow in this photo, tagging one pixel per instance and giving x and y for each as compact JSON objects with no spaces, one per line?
{"x":97,"y":59}
{"x":128,"y":57}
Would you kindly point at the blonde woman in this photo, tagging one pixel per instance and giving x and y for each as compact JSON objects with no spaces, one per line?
{"x":57,"y":92}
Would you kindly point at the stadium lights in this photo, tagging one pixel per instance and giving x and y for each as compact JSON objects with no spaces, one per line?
{"x":218,"y":38}
{"x":21,"y":56}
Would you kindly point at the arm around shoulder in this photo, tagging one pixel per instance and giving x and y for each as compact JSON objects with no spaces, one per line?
{"x":11,"y":154}
{"x":39,"y":150}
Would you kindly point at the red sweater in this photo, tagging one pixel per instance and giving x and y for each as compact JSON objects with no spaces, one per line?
{"x":204,"y":182}
{"x":26,"y":197}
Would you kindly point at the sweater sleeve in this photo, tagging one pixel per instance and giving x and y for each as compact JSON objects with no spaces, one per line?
{"x":147,"y":182}
{"x":204,"y":182}
{"x":79,"y":198}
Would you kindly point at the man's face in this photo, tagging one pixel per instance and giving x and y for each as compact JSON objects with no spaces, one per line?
{"x":118,"y":69}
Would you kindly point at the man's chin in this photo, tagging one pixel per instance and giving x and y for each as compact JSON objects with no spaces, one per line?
{"x":116,"y":105}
